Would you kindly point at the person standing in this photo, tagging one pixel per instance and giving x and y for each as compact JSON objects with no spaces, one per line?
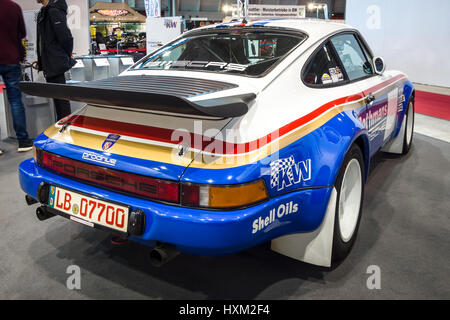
{"x":12,"y":31}
{"x":54,"y":47}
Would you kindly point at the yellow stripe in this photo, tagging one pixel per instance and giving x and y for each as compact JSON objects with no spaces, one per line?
{"x":121,"y":147}
{"x":169,"y":155}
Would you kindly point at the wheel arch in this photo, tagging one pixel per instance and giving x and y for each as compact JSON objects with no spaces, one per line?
{"x":362,"y":140}
{"x":363,"y":143}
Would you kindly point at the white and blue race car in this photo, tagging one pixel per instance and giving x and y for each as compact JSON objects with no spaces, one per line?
{"x":230,"y":136}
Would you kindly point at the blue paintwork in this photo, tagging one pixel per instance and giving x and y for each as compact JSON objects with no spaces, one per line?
{"x":204,"y":232}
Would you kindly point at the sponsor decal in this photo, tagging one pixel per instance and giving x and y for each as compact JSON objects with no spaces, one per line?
{"x":391,"y":117}
{"x":169,"y":24}
{"x":286,"y":172}
{"x":99,"y":158}
{"x":196,"y":65}
{"x":110,"y":141}
{"x":336,"y":74}
{"x":326,"y":79}
{"x":401,"y":100}
{"x":380,"y":119}
{"x":374,"y":120}
{"x":274,"y":214}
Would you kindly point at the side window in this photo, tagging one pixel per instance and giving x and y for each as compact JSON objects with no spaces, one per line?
{"x":323,"y":68}
{"x":352,"y":56}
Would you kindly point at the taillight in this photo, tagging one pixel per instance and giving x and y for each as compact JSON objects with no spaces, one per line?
{"x":113,"y":179}
{"x":222,"y":197}
{"x":37,"y":155}
{"x":191,"y":195}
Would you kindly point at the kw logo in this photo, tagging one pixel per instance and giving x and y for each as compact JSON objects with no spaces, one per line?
{"x":286,"y":172}
{"x":170,"y":24}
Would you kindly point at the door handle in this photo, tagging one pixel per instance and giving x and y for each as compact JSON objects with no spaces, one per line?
{"x":370,"y":98}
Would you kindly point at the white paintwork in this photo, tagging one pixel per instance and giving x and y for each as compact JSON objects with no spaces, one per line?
{"x":395,"y":145}
{"x":350,"y":199}
{"x":313,"y":247}
{"x":281,"y":95}
{"x":391,"y":119}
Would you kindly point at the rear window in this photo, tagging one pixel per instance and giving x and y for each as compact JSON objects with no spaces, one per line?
{"x":241,"y":52}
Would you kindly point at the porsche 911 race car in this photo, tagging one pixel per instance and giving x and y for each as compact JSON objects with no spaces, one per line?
{"x":230,"y":136}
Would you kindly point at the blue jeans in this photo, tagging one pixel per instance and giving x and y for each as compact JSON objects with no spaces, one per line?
{"x":12,"y":75}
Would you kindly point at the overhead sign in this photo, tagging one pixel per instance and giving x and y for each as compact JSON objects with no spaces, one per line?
{"x":276,"y":11}
{"x":153,"y":8}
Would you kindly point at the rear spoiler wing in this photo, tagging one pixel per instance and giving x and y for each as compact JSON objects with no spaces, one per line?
{"x":156,"y":93}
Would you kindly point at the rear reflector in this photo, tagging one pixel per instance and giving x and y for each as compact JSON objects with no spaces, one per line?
{"x":132,"y":184}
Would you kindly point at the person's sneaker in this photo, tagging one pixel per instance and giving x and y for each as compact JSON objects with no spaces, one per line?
{"x":1,"y":152}
{"x":26,"y":145}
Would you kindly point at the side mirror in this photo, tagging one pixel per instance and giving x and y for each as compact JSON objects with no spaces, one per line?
{"x":378,"y":64}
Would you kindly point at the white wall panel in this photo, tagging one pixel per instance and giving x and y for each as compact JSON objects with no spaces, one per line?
{"x":411,"y":35}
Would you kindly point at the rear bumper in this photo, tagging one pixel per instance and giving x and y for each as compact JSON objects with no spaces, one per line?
{"x":203,"y":232}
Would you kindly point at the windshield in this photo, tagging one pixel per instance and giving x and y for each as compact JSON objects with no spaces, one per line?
{"x":242,"y":52}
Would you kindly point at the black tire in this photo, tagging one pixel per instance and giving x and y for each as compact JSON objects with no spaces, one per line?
{"x":342,"y":247}
{"x":407,"y":144}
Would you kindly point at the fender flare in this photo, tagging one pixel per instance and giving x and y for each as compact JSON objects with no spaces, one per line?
{"x":395,"y":145}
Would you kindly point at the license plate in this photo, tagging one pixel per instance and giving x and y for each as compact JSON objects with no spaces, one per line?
{"x":88,"y":210}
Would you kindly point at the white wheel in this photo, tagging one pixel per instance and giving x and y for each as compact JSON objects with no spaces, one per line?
{"x":350,"y":200}
{"x":410,"y":124}
{"x":350,"y":189}
{"x":409,"y":127}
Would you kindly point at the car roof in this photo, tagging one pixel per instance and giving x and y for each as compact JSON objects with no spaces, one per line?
{"x":315,"y":28}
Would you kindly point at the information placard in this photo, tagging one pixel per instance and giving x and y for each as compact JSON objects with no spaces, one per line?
{"x":102,"y":62}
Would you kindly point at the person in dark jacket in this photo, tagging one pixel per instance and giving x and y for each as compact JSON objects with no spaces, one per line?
{"x":54,"y":47}
{"x":12,"y":31}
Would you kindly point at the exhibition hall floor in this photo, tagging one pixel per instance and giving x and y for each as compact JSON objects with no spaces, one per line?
{"x":404,"y":231}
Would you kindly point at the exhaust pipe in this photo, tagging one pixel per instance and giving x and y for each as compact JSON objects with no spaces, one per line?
{"x":42,"y":214}
{"x":162,"y":254}
{"x":30,"y":200}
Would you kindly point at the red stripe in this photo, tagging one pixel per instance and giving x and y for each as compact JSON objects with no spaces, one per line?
{"x":198,"y":141}
{"x":114,"y":50}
